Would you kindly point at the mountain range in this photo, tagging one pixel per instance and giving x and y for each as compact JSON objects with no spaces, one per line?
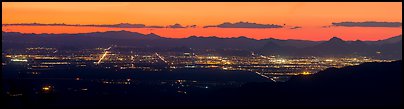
{"x":390,"y":48}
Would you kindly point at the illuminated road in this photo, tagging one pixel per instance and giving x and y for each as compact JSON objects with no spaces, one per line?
{"x":263,"y":75}
{"x":105,"y":54}
{"x":162,"y":58}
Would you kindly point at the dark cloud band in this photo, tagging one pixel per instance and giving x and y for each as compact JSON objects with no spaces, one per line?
{"x":121,"y":25}
{"x":244,"y":25}
{"x":368,"y":24}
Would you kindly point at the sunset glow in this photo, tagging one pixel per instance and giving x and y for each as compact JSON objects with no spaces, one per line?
{"x":201,"y":54}
{"x":310,"y":16}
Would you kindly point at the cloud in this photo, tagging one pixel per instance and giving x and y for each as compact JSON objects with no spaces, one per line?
{"x":296,"y":27}
{"x":35,"y":24}
{"x":121,"y":25}
{"x":180,"y":26}
{"x":191,"y":26}
{"x":244,"y":25}
{"x":368,"y":24}
{"x":329,"y":26}
{"x":127,"y":25}
{"x":175,"y":26}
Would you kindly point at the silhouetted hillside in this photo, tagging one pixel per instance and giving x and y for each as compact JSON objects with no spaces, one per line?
{"x":394,"y":39}
{"x":368,"y":85}
{"x":387,"y":49}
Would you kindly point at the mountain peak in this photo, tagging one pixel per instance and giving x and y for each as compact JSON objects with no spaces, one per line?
{"x":336,"y":39}
{"x":153,"y":35}
{"x":358,"y":43}
{"x":121,"y":31}
{"x":243,"y":37}
{"x":271,"y":38}
{"x":193,"y":36}
{"x":215,"y":37}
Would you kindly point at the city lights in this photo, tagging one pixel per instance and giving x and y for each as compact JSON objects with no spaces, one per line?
{"x":269,"y":67}
{"x":19,"y":60}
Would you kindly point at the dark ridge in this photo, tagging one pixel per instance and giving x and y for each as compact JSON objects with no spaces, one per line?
{"x":365,"y":85}
{"x":390,"y":48}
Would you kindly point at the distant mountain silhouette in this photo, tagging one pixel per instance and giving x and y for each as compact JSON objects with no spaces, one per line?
{"x":83,"y":40}
{"x":338,"y":47}
{"x":334,"y":46}
{"x":276,"y":47}
{"x":390,"y":48}
{"x":336,"y":40}
{"x":395,"y":39}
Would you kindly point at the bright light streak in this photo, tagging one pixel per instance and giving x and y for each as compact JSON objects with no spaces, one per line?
{"x":162,"y":58}
{"x":262,"y":75}
{"x":108,"y":48}
{"x":103,"y":56}
{"x":19,"y":60}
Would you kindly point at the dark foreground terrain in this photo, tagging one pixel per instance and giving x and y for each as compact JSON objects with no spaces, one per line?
{"x":366,"y":85}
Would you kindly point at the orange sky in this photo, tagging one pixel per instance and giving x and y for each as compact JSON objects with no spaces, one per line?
{"x":311,"y":16}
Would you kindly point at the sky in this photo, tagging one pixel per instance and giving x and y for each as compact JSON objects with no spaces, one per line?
{"x":310,"y":16}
